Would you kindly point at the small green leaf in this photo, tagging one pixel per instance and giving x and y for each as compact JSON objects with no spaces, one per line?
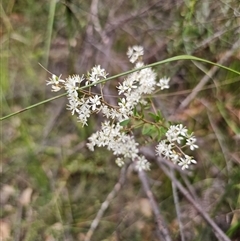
{"x":155,"y":117}
{"x":161,"y":132}
{"x":125,"y":122}
{"x":135,"y":111}
{"x":146,"y":129}
{"x":159,"y":114}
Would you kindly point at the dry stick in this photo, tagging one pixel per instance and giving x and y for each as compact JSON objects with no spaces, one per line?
{"x":221,"y":141}
{"x":190,"y":187}
{"x":105,"y":204}
{"x":208,"y":76}
{"x":94,"y":16}
{"x":158,"y":217}
{"x":18,"y":229}
{"x":218,"y":232}
{"x":177,"y":207}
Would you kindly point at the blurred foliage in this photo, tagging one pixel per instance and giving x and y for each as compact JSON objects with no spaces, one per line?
{"x":43,"y":150}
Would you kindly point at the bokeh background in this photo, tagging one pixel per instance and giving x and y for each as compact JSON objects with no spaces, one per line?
{"x":52,"y":186}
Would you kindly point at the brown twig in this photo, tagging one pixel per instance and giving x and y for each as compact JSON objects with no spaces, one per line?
{"x":217,"y":231}
{"x":208,"y":76}
{"x":105,"y":204}
{"x":164,"y":233}
{"x":221,"y":141}
{"x":177,"y":207}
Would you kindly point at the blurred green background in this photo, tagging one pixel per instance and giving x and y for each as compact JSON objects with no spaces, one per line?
{"x":51,"y":185}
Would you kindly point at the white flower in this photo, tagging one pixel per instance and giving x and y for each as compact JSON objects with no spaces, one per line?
{"x":96,"y":74}
{"x":133,"y":98}
{"x":114,"y":139}
{"x":171,"y":148}
{"x":94,"y":140}
{"x":72,"y":83}
{"x":127,"y":86}
{"x":125,"y":108}
{"x":97,"y":71}
{"x":55,"y":82}
{"x":173,"y":134}
{"x":186,"y":161}
{"x":147,"y":80}
{"x":142,"y":164}
{"x":139,"y":65}
{"x":174,"y":157}
{"x":183,"y":163}
{"x":84,"y":112}
{"x":106,"y":111}
{"x":119,"y":161}
{"x":182,"y":130}
{"x":168,"y":151}
{"x":163,"y":83}
{"x":190,"y":159}
{"x":165,"y":149}
{"x":94,"y":102}
{"x":56,"y":88}
{"x":134,"y":53}
{"x":122,"y":88}
{"x":191,"y":142}
{"x":114,"y":114}
{"x":73,"y":106}
{"x":161,"y":147}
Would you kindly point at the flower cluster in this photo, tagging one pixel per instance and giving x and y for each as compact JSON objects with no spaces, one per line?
{"x":137,"y":84}
{"x":122,"y":145}
{"x":132,"y":91}
{"x":171,"y":148}
{"x":84,"y":106}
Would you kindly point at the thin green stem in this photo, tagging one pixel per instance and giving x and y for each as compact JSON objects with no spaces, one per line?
{"x":32,"y":106}
{"x":176,"y":58}
{"x":51,"y":16}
